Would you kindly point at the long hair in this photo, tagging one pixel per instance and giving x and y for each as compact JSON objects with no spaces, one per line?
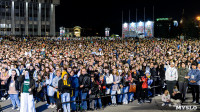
{"x":129,"y":72}
{"x":117,"y":73}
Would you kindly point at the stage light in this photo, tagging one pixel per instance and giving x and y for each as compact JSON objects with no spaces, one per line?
{"x":148,"y":23}
{"x":125,"y":25}
{"x":132,"y":24}
{"x":140,"y":23}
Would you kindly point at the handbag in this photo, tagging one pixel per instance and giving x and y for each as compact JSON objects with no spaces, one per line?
{"x":107,"y":91}
{"x":132,"y":88}
{"x":119,"y":91}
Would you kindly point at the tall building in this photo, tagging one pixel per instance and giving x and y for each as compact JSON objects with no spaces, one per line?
{"x":27,"y":17}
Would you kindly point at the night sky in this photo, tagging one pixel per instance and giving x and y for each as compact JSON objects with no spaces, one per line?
{"x":99,"y":14}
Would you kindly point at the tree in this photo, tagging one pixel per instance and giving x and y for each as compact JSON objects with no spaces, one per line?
{"x":190,"y":29}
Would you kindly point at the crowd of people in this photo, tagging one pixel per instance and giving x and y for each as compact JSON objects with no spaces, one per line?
{"x":97,"y":73}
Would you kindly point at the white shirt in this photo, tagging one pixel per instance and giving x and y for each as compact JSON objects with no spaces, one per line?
{"x":109,"y":79}
{"x":171,"y":74}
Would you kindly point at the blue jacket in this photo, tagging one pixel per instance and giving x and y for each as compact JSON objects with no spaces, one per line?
{"x":194,"y":75}
{"x":75,"y":81}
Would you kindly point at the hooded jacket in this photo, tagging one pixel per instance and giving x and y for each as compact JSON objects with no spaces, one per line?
{"x":171,"y":74}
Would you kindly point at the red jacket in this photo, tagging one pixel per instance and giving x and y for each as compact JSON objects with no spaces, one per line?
{"x":144,"y":84}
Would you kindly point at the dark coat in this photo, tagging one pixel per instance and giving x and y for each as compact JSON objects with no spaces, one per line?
{"x":102,"y":89}
{"x":94,"y":88}
{"x":85,"y":81}
{"x":64,"y":88}
{"x":16,"y":83}
{"x":182,"y":73}
{"x":32,"y":83}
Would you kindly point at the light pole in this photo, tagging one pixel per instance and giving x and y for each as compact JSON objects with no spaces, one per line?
{"x":198,"y":22}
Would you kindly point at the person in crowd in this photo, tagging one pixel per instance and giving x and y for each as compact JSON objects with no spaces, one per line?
{"x":75,"y":85}
{"x":38,"y":86}
{"x":139,"y":85}
{"x":3,"y":77}
{"x":125,"y":83}
{"x":50,"y":89}
{"x":27,"y":87}
{"x":84,"y":82}
{"x":120,"y":88}
{"x":171,"y":76}
{"x":55,"y":86}
{"x":182,"y":81}
{"x":64,"y":88}
{"x":176,"y":97}
{"x":21,"y":68}
{"x":36,"y":72}
{"x":93,"y":93}
{"x":13,"y":90}
{"x":161,"y":72}
{"x":154,"y":75}
{"x":130,"y":93}
{"x":135,"y":75}
{"x":193,"y":77}
{"x":108,"y":77}
{"x":116,"y":81}
{"x":13,"y":67}
{"x":144,"y":80}
{"x":102,"y":90}
{"x":166,"y":98}
{"x":199,"y":66}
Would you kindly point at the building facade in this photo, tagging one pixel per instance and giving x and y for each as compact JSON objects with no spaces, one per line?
{"x":70,"y":32}
{"x":27,"y":17}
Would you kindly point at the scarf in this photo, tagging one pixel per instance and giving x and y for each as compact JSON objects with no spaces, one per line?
{"x":64,"y":83}
{"x":27,"y":76}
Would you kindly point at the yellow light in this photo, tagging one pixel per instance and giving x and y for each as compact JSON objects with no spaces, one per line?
{"x":198,"y":18}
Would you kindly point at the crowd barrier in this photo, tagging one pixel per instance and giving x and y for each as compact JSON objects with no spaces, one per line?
{"x":107,"y":95}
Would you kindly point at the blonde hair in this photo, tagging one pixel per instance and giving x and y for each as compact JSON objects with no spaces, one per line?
{"x":101,"y":76}
{"x":175,"y":87}
{"x":166,"y":92}
{"x":117,"y":73}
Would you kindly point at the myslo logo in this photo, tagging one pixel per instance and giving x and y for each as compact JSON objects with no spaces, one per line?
{"x":186,"y":107}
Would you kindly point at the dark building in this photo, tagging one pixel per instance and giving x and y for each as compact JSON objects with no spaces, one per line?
{"x":27,"y":17}
{"x":166,"y":28}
